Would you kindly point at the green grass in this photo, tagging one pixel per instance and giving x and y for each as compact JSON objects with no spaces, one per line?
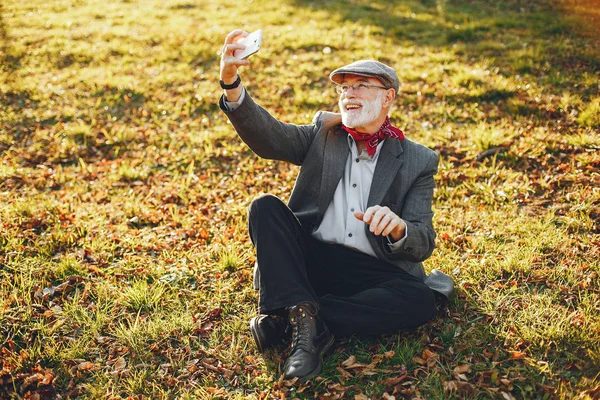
{"x":125,"y":264}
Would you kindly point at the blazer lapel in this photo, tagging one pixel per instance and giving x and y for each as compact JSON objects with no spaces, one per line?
{"x":335,"y":157}
{"x":389,"y":162}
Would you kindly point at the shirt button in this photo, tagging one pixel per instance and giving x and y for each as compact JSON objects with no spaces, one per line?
{"x":356,"y":159}
{"x":349,"y":235}
{"x":354,"y":185}
{"x":352,"y":209}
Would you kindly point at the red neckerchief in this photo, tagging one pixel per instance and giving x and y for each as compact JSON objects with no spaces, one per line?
{"x":387,"y":130}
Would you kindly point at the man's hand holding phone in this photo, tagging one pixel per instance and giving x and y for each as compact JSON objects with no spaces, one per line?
{"x":252,"y":43}
{"x":239,"y":45}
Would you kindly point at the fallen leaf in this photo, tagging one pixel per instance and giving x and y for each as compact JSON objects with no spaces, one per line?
{"x":487,"y":354}
{"x":343,"y":372}
{"x":459,"y":387}
{"x":395,"y":380}
{"x":505,"y":382}
{"x":351,"y":363}
{"x":120,"y":364}
{"x":30,"y":380}
{"x":593,"y":393}
{"x":462,"y":369}
{"x":47,"y":379}
{"x":215,"y":391}
{"x":551,"y":389}
{"x":85,"y":366}
{"x":430,"y":357}
{"x":337,"y":388}
{"x":227,"y":373}
{"x":419,"y":360}
{"x":428,"y":354}
{"x":376,"y":360}
{"x":507,"y":396}
{"x":573,"y":367}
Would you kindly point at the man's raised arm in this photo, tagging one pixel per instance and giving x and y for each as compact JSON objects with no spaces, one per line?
{"x":230,"y":65}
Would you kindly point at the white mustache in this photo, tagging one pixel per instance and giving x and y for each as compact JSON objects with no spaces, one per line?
{"x":346,"y":103}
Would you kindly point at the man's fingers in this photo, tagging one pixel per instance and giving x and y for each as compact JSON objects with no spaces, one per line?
{"x":359,"y":215}
{"x":394,"y":222}
{"x":235,"y":61}
{"x":230,"y":48}
{"x":233,"y":35}
{"x":368,"y":216}
{"x":380,"y":222}
{"x":229,"y":63}
{"x":379,"y":215}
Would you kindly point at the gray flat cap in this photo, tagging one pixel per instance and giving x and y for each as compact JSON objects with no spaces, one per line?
{"x":374,"y":69}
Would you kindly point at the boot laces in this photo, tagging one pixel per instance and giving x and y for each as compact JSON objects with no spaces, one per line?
{"x":300,"y":332}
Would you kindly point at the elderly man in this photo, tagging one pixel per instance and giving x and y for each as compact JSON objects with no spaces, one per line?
{"x":344,"y":256}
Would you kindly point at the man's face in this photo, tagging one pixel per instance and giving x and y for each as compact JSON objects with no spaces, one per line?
{"x":360,"y":108}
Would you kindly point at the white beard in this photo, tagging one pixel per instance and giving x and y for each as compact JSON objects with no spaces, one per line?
{"x":368,"y":113}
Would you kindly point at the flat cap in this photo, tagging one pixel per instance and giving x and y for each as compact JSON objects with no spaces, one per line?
{"x":374,"y":69}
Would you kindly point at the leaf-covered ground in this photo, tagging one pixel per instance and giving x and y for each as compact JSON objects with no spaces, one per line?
{"x":125,"y":266}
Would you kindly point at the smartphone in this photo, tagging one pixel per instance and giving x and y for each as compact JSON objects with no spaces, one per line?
{"x":252,"y":42}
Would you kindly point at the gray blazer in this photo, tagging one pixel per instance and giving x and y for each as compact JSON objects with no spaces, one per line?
{"x":403,"y":179}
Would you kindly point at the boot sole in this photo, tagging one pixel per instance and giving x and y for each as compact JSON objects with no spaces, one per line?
{"x":254,"y":331}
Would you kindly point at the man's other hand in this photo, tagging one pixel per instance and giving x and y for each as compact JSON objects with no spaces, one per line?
{"x":230,"y":64}
{"x":383,"y":221}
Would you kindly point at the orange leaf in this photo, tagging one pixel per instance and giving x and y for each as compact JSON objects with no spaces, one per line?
{"x":84,"y":366}
{"x":517,"y":355}
{"x":428,"y":354}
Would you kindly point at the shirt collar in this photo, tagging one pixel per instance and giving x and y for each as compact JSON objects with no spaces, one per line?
{"x":364,"y":156}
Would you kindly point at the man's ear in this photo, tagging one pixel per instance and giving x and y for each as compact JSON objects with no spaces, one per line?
{"x":390,"y":95}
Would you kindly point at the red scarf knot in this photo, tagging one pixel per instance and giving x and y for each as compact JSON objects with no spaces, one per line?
{"x":387,"y":130}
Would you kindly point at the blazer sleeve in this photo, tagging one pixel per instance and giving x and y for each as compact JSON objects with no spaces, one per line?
{"x":268,"y":137}
{"x":418,"y":215}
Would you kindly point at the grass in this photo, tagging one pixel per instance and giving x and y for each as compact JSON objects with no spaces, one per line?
{"x":125,"y":264}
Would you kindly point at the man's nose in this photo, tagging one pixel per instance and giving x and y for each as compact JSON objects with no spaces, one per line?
{"x":350,"y":93}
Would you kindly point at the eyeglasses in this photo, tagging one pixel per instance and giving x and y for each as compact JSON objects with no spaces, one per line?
{"x":357,"y":88}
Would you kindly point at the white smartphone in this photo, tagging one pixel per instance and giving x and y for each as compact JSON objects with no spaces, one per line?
{"x":252,"y":42}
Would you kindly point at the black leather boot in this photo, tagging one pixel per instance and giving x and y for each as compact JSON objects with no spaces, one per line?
{"x":268,"y":331}
{"x":310,"y":341}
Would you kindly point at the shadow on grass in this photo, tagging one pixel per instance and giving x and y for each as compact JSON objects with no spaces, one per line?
{"x":520,"y":37}
{"x":522,"y":41}
{"x":9,"y":57}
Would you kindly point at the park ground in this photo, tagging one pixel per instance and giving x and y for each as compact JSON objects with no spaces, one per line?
{"x":125,"y":265}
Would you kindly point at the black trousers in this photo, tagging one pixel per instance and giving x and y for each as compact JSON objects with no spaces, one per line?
{"x":355,"y":292}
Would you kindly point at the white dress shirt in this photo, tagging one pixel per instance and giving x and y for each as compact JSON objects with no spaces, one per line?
{"x":339,"y":225}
